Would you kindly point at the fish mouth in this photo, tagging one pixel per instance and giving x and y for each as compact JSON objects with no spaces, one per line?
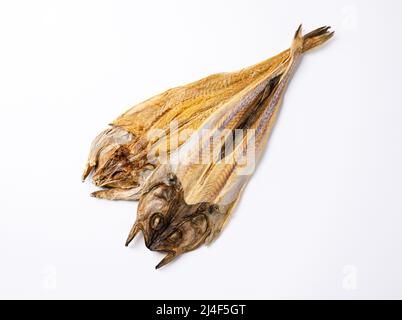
{"x":153,"y":241}
{"x":155,"y":246}
{"x":149,"y":241}
{"x":152,"y":246}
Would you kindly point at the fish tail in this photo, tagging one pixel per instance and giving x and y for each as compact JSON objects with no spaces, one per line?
{"x":298,"y":41}
{"x":316,"y":37}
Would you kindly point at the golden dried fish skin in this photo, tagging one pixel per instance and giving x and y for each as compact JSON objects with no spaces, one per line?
{"x":122,"y":164}
{"x":130,"y":162}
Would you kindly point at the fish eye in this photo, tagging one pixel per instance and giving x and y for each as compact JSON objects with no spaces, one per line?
{"x":156,"y":221}
{"x":175,"y":236}
{"x":200,"y":221}
{"x":172,"y":180}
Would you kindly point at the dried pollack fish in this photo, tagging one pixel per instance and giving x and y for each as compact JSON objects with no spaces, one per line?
{"x":120,"y":156}
{"x":186,"y":205}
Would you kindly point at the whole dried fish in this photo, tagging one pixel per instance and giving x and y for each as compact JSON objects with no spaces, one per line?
{"x":120,"y":156}
{"x":186,"y":205}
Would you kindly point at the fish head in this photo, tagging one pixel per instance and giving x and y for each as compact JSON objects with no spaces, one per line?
{"x":118,"y":171}
{"x":155,"y":208}
{"x":187,"y":231}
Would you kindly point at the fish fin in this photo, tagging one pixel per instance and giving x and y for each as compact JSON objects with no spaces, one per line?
{"x":316,"y":37}
{"x":298,"y":41}
{"x":118,"y":194}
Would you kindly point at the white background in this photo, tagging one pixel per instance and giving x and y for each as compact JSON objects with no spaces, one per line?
{"x":320,"y":219}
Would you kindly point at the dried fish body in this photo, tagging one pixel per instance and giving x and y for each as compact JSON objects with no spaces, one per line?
{"x":122,"y":164}
{"x":186,"y":206}
{"x":173,"y":185}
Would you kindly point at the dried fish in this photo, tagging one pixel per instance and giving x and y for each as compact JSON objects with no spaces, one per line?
{"x":186,"y":205}
{"x":120,"y":156}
